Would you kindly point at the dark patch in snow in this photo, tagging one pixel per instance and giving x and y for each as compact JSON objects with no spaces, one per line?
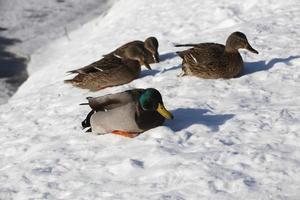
{"x":249,"y":181}
{"x":42,"y":170}
{"x":226,"y":142}
{"x":137,"y":163}
{"x":12,"y":67}
{"x":2,"y":29}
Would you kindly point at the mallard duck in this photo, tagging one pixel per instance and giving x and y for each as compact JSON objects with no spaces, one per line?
{"x":212,"y":61}
{"x":107,"y":72}
{"x":147,"y":51}
{"x":127,"y":113}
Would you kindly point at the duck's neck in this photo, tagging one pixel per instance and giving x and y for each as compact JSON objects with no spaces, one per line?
{"x":229,"y":49}
{"x":147,"y":119}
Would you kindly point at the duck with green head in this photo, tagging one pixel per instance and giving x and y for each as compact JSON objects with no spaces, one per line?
{"x":126,"y":113}
{"x":212,"y":60}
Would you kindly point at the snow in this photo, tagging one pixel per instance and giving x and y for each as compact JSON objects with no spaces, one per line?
{"x":26,"y":26}
{"x":230,"y":139}
{"x":35,"y":22}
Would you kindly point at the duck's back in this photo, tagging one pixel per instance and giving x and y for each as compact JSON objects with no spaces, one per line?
{"x":203,"y":54}
{"x":107,"y":72}
{"x":99,"y":65}
{"x":209,"y":60}
{"x":120,"y":52}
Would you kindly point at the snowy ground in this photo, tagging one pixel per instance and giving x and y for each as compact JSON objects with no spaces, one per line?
{"x":231,"y":139}
{"x":26,"y":25}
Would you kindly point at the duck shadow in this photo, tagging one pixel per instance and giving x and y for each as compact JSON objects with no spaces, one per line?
{"x":167,"y":56}
{"x":12,"y":67}
{"x":151,"y":72}
{"x":172,"y":68}
{"x":263,"y":65}
{"x":163,"y":57}
{"x":186,"y":117}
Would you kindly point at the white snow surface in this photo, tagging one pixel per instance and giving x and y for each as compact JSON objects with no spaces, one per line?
{"x":36,"y":22}
{"x":32,"y":24}
{"x":230,"y":139}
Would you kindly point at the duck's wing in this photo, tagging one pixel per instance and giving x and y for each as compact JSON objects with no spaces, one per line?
{"x":112,"y":101}
{"x":203,"y":55}
{"x":104,"y":64}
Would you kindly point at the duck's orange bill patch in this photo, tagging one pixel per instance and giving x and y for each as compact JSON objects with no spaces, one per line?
{"x":125,"y":133}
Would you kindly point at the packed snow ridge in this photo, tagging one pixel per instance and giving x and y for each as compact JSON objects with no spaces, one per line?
{"x":230,"y":139}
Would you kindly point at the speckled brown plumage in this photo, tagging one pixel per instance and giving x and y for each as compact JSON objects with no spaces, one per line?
{"x":212,"y":61}
{"x":146,"y":52}
{"x":107,"y":72}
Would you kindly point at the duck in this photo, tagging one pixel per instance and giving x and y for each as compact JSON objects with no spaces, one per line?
{"x":147,"y":49}
{"x":106,"y":72}
{"x":128,"y":113}
{"x":214,"y":61}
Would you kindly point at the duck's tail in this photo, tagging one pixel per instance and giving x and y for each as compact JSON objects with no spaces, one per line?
{"x":77,"y":71}
{"x":72,"y":72}
{"x":86,"y":124}
{"x":70,"y":81}
{"x":185,"y":45}
{"x":180,"y":54}
{"x":76,"y":80}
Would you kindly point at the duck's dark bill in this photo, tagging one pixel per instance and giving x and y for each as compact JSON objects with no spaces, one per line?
{"x":147,"y":65}
{"x":156,"y":58}
{"x":251,"y":49}
{"x":164,"y":112}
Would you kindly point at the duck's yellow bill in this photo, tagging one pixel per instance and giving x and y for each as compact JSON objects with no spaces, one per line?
{"x":163,"y":111}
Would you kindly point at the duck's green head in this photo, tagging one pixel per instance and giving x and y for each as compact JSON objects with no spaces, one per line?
{"x":151,"y":100}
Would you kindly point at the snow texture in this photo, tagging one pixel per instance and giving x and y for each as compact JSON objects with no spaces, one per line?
{"x":230,"y":139}
{"x":26,"y":26}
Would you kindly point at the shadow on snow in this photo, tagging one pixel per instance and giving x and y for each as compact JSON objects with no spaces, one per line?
{"x":186,"y":117}
{"x":263,"y":65}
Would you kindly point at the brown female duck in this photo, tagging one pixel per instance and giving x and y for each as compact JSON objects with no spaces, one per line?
{"x":147,"y":51}
{"x":212,"y":61}
{"x":107,"y":72}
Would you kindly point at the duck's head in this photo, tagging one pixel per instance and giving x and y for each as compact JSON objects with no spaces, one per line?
{"x":238,"y":40}
{"x":151,"y":100}
{"x":136,"y":53}
{"x":151,"y":44}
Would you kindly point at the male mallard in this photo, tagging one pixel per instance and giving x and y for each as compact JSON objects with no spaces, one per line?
{"x":107,"y":72}
{"x":127,"y":113}
{"x":212,"y":61}
{"x":148,"y":50}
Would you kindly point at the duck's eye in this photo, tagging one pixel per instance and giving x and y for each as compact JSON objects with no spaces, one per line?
{"x":147,"y":105}
{"x":150,"y":105}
